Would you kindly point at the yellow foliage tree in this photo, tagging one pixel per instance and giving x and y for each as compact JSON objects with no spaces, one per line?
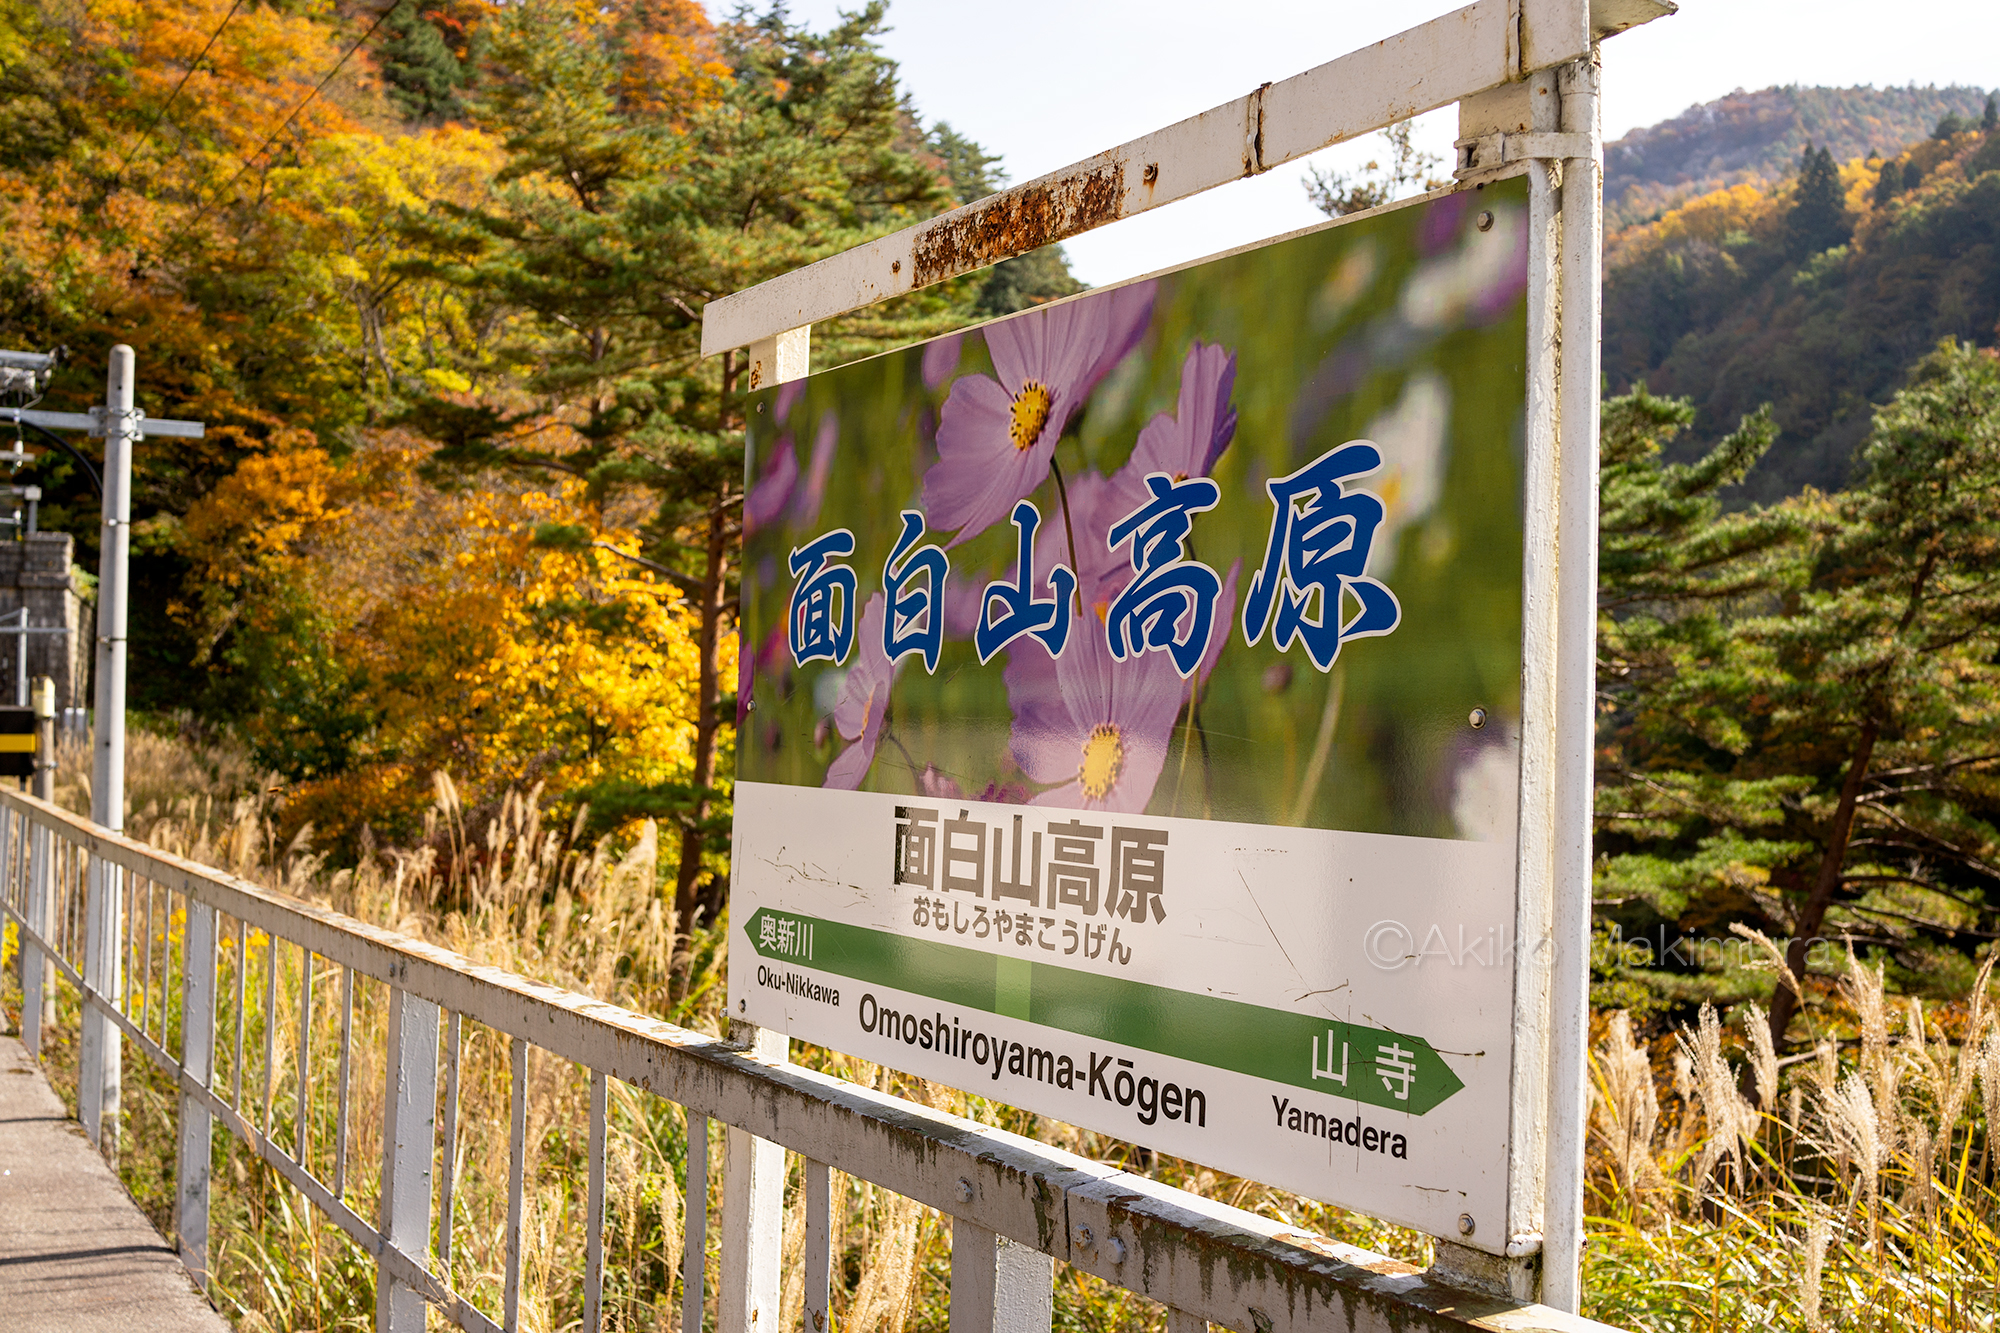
{"x":426,"y":631}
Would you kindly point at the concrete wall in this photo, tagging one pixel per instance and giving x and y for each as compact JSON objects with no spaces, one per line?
{"x":35,"y":572}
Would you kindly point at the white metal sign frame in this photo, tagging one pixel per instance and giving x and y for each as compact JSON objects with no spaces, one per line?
{"x":1524,"y":74}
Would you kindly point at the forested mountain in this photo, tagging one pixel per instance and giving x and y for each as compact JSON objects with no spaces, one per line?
{"x":1757,"y":138}
{"x":1814,"y":292}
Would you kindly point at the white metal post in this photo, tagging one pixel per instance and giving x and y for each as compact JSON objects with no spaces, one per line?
{"x":998,"y":1285}
{"x":753,"y":1212}
{"x":1576,"y":689}
{"x":198,"y":1061}
{"x":409,"y":1132}
{"x":593,"y":1215}
{"x":102,"y":1057}
{"x":694,"y":1245}
{"x":1540,"y":757}
{"x":121,"y":430}
{"x":37,"y":977}
{"x":41,"y":894}
{"x":753,"y":1169}
{"x":818,"y":1255}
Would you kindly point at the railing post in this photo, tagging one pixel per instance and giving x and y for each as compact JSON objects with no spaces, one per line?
{"x":198,"y":1063}
{"x":22,"y":898}
{"x":37,"y":977}
{"x":593,"y":1215}
{"x":753,"y":1213}
{"x":998,"y":1285}
{"x":40,"y":895}
{"x":409,"y":1134}
{"x":694,"y":1245}
{"x":818,"y":1203}
{"x":101,"y":1061}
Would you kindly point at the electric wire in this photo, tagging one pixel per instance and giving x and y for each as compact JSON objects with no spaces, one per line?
{"x":166,"y":106}
{"x":338,"y":65}
{"x":89,"y":470}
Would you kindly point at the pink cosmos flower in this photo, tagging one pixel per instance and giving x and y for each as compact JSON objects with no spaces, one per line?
{"x":863,"y":704}
{"x":1097,"y":728}
{"x":1188,"y":443}
{"x":772,"y":495}
{"x":1101,"y":573}
{"x":778,"y":494}
{"x":825,"y":443}
{"x":997,"y":433}
{"x":938,"y":785}
{"x":941,"y":359}
{"x":789,"y":394}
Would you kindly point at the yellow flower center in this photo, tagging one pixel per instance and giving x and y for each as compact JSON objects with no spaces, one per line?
{"x":1029,"y":414}
{"x":1103,"y":759}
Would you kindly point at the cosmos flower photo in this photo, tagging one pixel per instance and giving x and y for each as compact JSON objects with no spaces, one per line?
{"x":997,"y":432}
{"x":1402,"y":333}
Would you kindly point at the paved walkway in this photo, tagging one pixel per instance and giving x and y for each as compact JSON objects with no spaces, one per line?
{"x":76,"y":1254}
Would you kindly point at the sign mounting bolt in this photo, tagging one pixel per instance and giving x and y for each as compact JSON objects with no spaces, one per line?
{"x":1465,"y":1224}
{"x":964,"y":1190}
{"x":1477,"y":718}
{"x":1485,"y":221}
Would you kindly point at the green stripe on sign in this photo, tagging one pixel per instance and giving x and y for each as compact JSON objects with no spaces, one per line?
{"x":1392,"y":1070}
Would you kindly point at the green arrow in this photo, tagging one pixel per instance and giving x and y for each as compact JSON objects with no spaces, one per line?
{"x":1346,"y":1060}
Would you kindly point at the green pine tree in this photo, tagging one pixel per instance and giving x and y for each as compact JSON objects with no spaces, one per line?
{"x":423,"y":74}
{"x":1818,"y":219}
{"x":1805,"y":731}
{"x":1026,"y":280}
{"x":811,"y":149}
{"x":1887,"y":182}
{"x":973,"y":172}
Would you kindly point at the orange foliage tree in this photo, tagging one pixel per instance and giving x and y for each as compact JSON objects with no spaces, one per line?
{"x":416,"y":631}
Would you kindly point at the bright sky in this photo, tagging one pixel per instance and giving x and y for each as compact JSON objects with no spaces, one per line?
{"x":1047,"y":82}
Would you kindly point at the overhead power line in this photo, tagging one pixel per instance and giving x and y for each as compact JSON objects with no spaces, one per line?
{"x":318,"y":88}
{"x":161,"y":114}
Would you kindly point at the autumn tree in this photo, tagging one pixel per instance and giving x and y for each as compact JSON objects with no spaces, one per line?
{"x":618,"y":218}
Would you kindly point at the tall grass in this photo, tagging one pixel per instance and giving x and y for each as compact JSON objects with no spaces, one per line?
{"x":505,"y":887}
{"x":1729,"y":1189}
{"x":1849,"y":1188}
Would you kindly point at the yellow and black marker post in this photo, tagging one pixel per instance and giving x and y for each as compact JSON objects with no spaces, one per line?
{"x":17,"y":742}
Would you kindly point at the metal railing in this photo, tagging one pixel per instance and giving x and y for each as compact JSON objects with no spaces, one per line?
{"x":88,"y":905}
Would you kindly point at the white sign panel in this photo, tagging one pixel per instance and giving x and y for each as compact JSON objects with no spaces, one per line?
{"x":1129,"y":710}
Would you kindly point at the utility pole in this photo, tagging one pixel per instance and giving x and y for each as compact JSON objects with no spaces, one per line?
{"x":122,"y":425}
